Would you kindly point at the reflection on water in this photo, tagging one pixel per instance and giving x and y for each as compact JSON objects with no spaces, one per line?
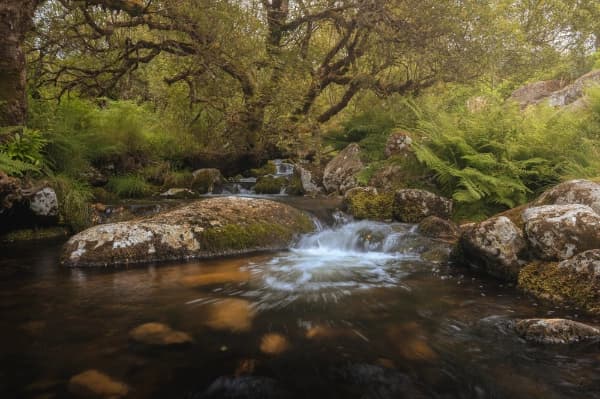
{"x":350,"y":313}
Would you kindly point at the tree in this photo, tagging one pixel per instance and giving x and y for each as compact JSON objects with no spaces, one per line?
{"x":16,"y":21}
{"x":277,"y":64}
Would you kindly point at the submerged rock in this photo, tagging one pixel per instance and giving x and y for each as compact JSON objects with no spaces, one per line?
{"x":159,"y":334}
{"x":557,"y":232}
{"x":556,"y":331}
{"x":203,"y":229}
{"x":244,"y":387}
{"x":494,"y":245}
{"x":274,"y":344}
{"x":94,"y":384}
{"x":412,"y":206}
{"x":340,"y":173}
{"x":572,"y":192}
{"x":574,"y":281}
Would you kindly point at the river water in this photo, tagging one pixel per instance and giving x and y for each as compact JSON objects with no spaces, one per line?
{"x":352,"y":311}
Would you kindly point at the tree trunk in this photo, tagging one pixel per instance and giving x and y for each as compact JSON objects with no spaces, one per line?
{"x":16,"y":19}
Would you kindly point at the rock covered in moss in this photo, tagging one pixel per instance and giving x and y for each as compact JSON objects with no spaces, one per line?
{"x":412,"y":206}
{"x":158,"y":334}
{"x":203,"y":229}
{"x":574,"y":281}
{"x":340,"y":172}
{"x":582,"y":192}
{"x":390,"y":177}
{"x":557,"y":232}
{"x":97,"y":385}
{"x":270,"y":185}
{"x":556,"y":331}
{"x":435,"y":227}
{"x":208,"y":181}
{"x":398,"y":144}
{"x":494,"y":245}
{"x":368,"y":203}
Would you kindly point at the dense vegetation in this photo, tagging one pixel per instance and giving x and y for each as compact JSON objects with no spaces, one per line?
{"x":147,"y":91}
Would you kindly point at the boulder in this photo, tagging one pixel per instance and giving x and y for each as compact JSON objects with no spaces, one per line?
{"x":390,"y":177}
{"x":398,"y":144}
{"x":270,"y":185}
{"x":536,"y":92}
{"x":557,"y":232}
{"x":309,"y":185}
{"x":157,"y":334}
{"x":582,"y":192}
{"x":203,"y":229}
{"x":44,"y":203}
{"x":412,"y":206}
{"x":575,"y":281}
{"x":10,"y":191}
{"x":494,"y":245}
{"x":209,"y":181}
{"x":340,"y":173}
{"x":94,"y":384}
{"x":368,"y":203}
{"x":576,"y":90}
{"x":438,"y":228}
{"x":556,"y":331}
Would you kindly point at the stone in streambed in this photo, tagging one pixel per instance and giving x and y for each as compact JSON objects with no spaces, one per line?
{"x":158,"y":334}
{"x":94,"y":384}
{"x":204,"y":229}
{"x":556,"y":331}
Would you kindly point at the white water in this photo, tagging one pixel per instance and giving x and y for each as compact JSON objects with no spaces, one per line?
{"x":335,"y":262}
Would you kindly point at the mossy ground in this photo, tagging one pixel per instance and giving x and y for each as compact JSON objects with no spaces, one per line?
{"x":545,"y":280}
{"x":365,"y":205}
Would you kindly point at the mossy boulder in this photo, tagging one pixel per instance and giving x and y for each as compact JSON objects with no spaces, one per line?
{"x":267,"y":169}
{"x":575,"y":281}
{"x":208,"y":181}
{"x":203,"y":229}
{"x":294,"y":185}
{"x":583,"y":192}
{"x":496,"y":246}
{"x":412,"y":206}
{"x":270,"y":185}
{"x":557,"y":232}
{"x":368,"y":203}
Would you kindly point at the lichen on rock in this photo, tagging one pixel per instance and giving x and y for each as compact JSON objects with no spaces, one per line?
{"x":204,"y":229}
{"x":412,"y":206}
{"x":556,"y":331}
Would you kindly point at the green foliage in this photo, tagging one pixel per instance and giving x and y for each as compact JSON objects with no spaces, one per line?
{"x":74,"y":199}
{"x":500,"y":157}
{"x":129,"y":186}
{"x":22,"y":152}
{"x":370,"y":129}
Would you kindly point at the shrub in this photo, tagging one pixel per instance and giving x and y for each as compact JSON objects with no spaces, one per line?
{"x":129,"y":186}
{"x":74,"y":199}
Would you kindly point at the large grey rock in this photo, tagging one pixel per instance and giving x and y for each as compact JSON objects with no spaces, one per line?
{"x":412,"y":206}
{"x":536,"y":92}
{"x":203,"y":229}
{"x":556,"y":331}
{"x":340,"y":172}
{"x":309,"y":185}
{"x":44,"y":203}
{"x":494,"y":245}
{"x":582,"y":192}
{"x":575,"y":91}
{"x":558,"y":232}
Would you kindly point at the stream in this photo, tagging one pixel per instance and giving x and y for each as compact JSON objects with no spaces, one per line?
{"x":352,"y":311}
